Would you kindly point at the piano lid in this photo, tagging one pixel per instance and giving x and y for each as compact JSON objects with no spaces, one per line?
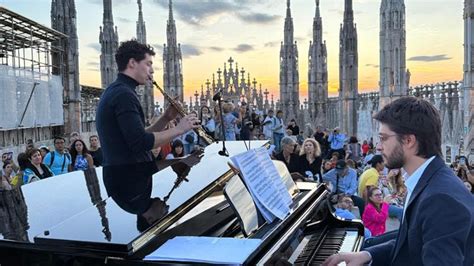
{"x":105,"y":227}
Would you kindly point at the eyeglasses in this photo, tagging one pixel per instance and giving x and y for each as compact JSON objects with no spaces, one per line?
{"x":384,"y":138}
{"x":378,"y":195}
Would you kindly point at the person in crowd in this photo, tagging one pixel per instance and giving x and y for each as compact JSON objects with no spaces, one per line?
{"x":245,"y":124}
{"x":8,"y":156}
{"x":336,"y":140}
{"x":256,"y":123}
{"x":365,"y":148}
{"x":463,"y":170}
{"x":438,"y":218}
{"x":189,"y":140}
{"x":370,"y":177}
{"x":95,"y":151}
{"x":230,"y":121}
{"x":74,"y":136}
{"x":334,"y":159}
{"x":394,"y":192}
{"x":288,"y":154}
{"x":344,"y":210}
{"x":23,"y":163}
{"x":58,"y":160}
{"x":300,"y":138}
{"x":308,"y":130}
{"x":268,"y":125}
{"x":36,"y":169}
{"x":353,"y":150}
{"x":376,"y":212}
{"x":44,"y":151}
{"x":207,"y":121}
{"x":322,"y":138}
{"x":344,"y":182}
{"x":369,"y":156}
{"x":309,"y":161}
{"x":293,"y":127}
{"x":327,"y":166}
{"x":278,"y":130}
{"x":5,"y":183}
{"x":80,"y":156}
{"x":177,"y":150}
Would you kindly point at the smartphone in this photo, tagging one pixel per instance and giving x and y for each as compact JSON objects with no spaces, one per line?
{"x":462,"y":161}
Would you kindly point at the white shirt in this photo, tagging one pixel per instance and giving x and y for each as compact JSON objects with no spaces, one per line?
{"x":412,"y":180}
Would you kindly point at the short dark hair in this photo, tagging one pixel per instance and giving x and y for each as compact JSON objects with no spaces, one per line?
{"x":23,"y":160}
{"x":93,"y":136}
{"x":410,"y":115}
{"x":58,"y":137}
{"x":376,"y":160}
{"x":131,"y":49}
{"x":7,"y":162}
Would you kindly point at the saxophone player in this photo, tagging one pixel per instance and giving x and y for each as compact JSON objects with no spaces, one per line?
{"x":126,"y":142}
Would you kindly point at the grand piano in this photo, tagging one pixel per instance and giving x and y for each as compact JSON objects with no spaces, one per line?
{"x":70,"y":220}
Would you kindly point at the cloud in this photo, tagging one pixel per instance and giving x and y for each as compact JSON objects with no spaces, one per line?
{"x":216,"y":49}
{"x":200,"y":11}
{"x":157,"y":47}
{"x":123,"y":20}
{"x":190,"y":50}
{"x":95,"y":46}
{"x":93,"y":64}
{"x":372,"y":65}
{"x":272,"y":44}
{"x":242,"y":48}
{"x":429,"y":58}
{"x":258,"y":18}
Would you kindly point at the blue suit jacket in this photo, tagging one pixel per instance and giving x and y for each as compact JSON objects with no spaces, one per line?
{"x":439,"y":225}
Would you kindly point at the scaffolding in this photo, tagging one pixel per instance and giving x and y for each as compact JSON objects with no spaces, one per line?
{"x":30,"y":67}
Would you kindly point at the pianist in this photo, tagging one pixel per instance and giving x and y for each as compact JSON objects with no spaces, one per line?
{"x":438,"y":221}
{"x":126,"y":143}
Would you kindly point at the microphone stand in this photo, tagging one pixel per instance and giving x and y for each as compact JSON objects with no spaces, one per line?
{"x":224,"y":151}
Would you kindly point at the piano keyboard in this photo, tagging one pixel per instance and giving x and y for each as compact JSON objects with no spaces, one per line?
{"x":314,"y":249}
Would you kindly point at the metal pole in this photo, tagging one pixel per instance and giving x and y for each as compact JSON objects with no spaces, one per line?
{"x":28,"y":103}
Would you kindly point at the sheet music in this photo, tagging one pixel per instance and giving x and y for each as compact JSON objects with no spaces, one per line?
{"x":263,"y":188}
{"x":272,"y":172}
{"x":241,"y":200}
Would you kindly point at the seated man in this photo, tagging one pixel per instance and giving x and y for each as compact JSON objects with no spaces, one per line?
{"x":344,"y":210}
{"x":344,"y":183}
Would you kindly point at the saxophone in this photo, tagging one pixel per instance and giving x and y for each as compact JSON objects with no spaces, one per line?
{"x":206,"y":139}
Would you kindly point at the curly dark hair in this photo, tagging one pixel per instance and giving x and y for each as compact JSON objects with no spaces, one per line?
{"x":131,"y":49}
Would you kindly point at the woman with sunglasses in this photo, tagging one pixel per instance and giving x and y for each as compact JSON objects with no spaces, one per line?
{"x":376,"y":212}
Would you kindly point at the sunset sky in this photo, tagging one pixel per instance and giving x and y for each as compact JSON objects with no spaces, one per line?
{"x":210,"y":31}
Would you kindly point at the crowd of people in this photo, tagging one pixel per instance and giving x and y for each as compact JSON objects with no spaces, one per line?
{"x":35,"y":164}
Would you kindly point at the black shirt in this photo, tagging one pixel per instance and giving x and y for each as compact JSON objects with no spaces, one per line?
{"x":295,"y":130}
{"x":121,"y":125}
{"x":126,"y":146}
{"x":303,"y":165}
{"x":292,"y":165}
{"x":97,"y":157}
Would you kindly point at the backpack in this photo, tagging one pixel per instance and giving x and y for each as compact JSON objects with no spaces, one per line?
{"x":64,"y":161}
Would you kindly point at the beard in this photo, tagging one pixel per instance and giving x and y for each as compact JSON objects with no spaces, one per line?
{"x":395,"y":159}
